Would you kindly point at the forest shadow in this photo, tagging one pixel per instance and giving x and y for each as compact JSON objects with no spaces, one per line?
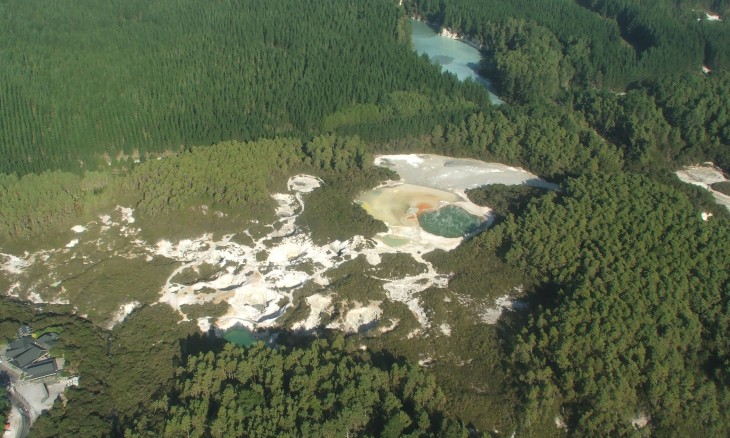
{"x":202,"y":343}
{"x":512,"y":321}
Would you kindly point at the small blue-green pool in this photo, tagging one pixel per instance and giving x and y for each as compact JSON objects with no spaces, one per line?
{"x":240,"y":336}
{"x":449,"y":221}
{"x":394,"y":241}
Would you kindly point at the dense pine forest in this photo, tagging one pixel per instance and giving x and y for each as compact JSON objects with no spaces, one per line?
{"x":608,"y":43}
{"x":91,"y":80}
{"x":637,"y":325}
{"x":168,"y":106}
{"x":321,"y":390}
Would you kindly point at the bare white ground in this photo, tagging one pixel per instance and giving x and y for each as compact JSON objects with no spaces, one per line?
{"x":304,"y":183}
{"x":406,"y":290}
{"x":204,"y":324}
{"x":703,"y":176}
{"x":318,"y":304}
{"x":358,"y":317}
{"x":40,"y":396}
{"x":490,"y":315}
{"x":388,"y":328}
{"x":15,"y":265}
{"x":257,"y":278}
{"x":446,"y":32}
{"x":640,"y":421}
{"x":426,"y":361}
{"x":121,"y":313}
{"x":285,"y":202}
{"x":127,"y":214}
{"x":34,"y":297}
{"x":448,"y":173}
{"x":445,"y":329}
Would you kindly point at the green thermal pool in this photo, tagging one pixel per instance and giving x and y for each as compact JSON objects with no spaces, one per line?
{"x":239,"y":336}
{"x":449,"y":221}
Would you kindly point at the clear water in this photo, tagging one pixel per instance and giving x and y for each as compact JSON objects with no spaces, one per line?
{"x":240,"y":336}
{"x":454,"y":56}
{"x":449,"y":221}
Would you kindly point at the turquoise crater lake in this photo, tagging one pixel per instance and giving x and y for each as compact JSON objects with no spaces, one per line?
{"x":454,"y":56}
{"x":449,"y":221}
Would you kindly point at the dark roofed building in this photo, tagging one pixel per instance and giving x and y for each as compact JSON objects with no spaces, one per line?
{"x":47,"y":340}
{"x":17,"y":346}
{"x":27,"y":357}
{"x":42,"y":368}
{"x":31,"y":355}
{"x":24,"y":330}
{"x":48,"y":337}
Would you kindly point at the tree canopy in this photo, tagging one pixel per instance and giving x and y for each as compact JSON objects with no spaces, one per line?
{"x":169,"y":106}
{"x":608,"y":43}
{"x":4,"y":405}
{"x":322,"y":390}
{"x":87,"y":82}
{"x":640,"y":323}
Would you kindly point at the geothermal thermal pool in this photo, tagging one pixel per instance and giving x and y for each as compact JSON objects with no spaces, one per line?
{"x":449,"y":221}
{"x":428,"y":206}
{"x":408,"y":209}
{"x":257,"y":276}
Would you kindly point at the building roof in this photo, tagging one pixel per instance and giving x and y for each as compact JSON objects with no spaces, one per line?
{"x":28,"y":356}
{"x":48,"y":339}
{"x":24,"y":330}
{"x":42,"y":368}
{"x":50,"y":336}
{"x":16,"y":347}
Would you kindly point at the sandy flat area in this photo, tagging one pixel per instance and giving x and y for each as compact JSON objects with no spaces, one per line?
{"x":704,"y":176}
{"x":448,"y":173}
